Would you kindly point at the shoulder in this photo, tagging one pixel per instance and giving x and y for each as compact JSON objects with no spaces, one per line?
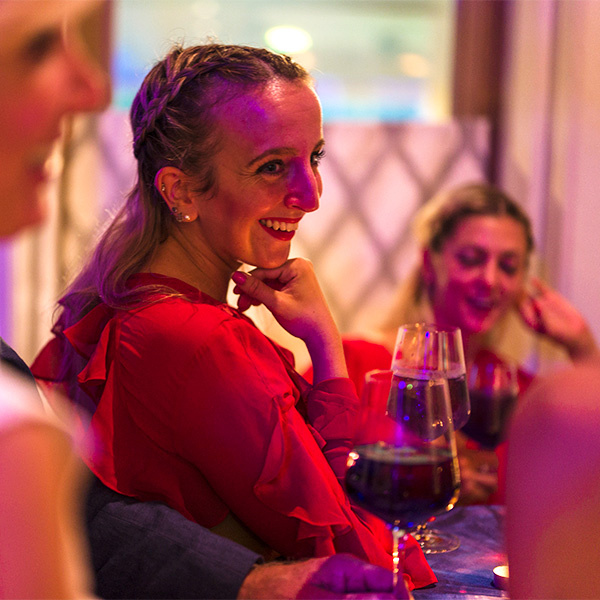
{"x":178,"y":325}
{"x":570,"y":394}
{"x":184,"y":317}
{"x":558,"y":414}
{"x":361,"y":349}
{"x":19,"y":402}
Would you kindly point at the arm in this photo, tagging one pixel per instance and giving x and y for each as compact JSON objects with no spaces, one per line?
{"x":249,"y":423}
{"x":330,"y":577}
{"x":39,"y":515}
{"x":292,"y":293}
{"x":148,"y":550}
{"x":550,"y":314}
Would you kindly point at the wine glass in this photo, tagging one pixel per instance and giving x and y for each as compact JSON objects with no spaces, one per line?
{"x":403,"y":467}
{"x":424,"y":348}
{"x":494,"y":390}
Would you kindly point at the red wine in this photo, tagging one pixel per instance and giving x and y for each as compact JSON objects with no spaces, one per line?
{"x":402,"y":485}
{"x":490,"y":415}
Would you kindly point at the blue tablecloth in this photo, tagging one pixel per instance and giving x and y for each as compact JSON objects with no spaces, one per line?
{"x":466,"y":573}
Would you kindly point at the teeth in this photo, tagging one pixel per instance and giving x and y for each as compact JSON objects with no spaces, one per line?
{"x":279,"y":225}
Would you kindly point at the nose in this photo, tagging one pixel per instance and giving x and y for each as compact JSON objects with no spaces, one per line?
{"x":87,"y":86}
{"x":490,"y":274}
{"x":305,"y":188}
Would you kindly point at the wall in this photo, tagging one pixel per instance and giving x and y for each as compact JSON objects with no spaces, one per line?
{"x":550,"y":139}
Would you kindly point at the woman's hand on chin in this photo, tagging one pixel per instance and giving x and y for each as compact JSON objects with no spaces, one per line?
{"x":293,"y":295}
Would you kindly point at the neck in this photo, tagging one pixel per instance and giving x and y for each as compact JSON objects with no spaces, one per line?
{"x":472,"y":342}
{"x":177,"y":257}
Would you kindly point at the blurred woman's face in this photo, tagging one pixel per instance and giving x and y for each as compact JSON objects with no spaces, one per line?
{"x":479,"y":273}
{"x":44,"y":75}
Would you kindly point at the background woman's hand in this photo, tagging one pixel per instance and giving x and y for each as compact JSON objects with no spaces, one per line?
{"x":550,"y":314}
{"x":293,"y":295}
{"x":478,"y":472}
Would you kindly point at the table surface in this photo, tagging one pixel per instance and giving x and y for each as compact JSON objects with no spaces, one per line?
{"x":467,"y":572}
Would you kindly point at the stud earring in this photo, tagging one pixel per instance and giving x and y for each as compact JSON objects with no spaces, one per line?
{"x":180,"y":217}
{"x":163,"y":189}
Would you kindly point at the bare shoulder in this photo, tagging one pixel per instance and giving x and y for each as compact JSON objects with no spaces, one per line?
{"x":569,"y":396}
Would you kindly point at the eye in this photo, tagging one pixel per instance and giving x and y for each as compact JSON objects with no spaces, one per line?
{"x":510,"y":267}
{"x":273,"y":167}
{"x":317,"y":157}
{"x":471,"y":258}
{"x":41,"y":45}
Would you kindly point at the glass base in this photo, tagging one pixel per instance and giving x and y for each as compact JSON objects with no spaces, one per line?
{"x":433,"y":541}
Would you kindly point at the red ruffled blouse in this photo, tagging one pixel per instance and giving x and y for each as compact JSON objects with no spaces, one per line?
{"x":195,"y":407}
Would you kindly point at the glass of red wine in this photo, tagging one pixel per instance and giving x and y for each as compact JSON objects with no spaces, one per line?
{"x":494,"y":390}
{"x":403,"y":467}
{"x":426,"y":349}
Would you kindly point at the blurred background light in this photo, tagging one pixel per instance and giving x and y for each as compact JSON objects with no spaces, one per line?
{"x":414,"y":65}
{"x":288,"y":39}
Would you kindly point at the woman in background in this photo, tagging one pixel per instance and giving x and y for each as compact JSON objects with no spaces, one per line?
{"x":476,"y":244}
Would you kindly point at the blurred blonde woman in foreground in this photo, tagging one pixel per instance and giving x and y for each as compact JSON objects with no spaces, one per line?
{"x":45,"y":76}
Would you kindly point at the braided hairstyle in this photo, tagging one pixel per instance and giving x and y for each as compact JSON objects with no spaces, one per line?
{"x":174,"y":123}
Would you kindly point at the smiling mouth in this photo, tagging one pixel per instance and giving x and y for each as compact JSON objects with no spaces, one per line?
{"x":279,"y":225}
{"x":482,"y":303}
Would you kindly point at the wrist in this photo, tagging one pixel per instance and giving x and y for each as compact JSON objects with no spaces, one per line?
{"x":583,"y":347}
{"x":327,"y":356}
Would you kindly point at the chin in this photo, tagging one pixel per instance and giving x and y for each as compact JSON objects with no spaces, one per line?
{"x":272,"y":262}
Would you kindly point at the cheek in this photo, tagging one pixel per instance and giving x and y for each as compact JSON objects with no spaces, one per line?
{"x":451,"y":276}
{"x":513,"y":288}
{"x":20,"y":125}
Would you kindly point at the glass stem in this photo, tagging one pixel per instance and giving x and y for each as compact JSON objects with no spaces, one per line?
{"x":399,"y":538}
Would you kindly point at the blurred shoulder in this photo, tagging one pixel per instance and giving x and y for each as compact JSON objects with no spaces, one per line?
{"x":562,"y":407}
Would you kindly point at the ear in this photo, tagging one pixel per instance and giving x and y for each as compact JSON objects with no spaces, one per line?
{"x":173,"y":185}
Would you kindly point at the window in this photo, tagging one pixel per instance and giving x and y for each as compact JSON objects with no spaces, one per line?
{"x":381,"y":60}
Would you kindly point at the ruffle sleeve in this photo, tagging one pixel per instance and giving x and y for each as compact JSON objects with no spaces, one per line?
{"x":93,"y":337}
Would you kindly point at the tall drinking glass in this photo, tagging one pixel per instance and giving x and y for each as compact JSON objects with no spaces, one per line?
{"x":403,"y":467}
{"x":425,"y":351}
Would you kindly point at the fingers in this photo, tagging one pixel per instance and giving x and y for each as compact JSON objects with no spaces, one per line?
{"x":345,"y":574}
{"x":252,"y":291}
{"x":529,"y":313}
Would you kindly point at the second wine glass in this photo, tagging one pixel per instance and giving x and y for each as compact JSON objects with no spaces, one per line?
{"x":424,"y":350}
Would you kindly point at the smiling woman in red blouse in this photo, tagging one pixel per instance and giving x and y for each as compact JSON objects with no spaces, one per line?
{"x":192,"y":405}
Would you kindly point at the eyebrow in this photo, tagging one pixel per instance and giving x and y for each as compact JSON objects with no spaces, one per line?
{"x":477,"y":248}
{"x":280,"y":152}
